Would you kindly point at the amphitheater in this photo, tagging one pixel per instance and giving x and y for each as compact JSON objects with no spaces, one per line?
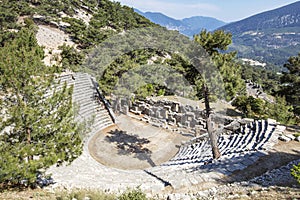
{"x":141,"y":153}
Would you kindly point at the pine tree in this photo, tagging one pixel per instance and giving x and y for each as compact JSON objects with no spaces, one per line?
{"x":214,"y":43}
{"x":290,"y":82}
{"x":37,"y":128}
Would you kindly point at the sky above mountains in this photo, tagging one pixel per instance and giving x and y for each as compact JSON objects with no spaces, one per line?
{"x":226,"y":10}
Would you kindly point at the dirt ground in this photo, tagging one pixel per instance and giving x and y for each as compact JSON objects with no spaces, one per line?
{"x":132,"y":144}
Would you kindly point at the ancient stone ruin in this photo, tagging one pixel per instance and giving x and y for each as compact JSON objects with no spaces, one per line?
{"x":242,"y":143}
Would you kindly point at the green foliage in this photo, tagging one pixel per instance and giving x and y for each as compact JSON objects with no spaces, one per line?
{"x":110,"y":75}
{"x":108,"y":17}
{"x":268,"y":79}
{"x":77,"y":29}
{"x":296,"y":172}
{"x":131,"y":74}
{"x":121,"y":65}
{"x":70,"y":57}
{"x":257,"y":108}
{"x":37,"y":127}
{"x":6,"y":36}
{"x":136,"y":194}
{"x":281,"y":111}
{"x":85,"y":194}
{"x":290,"y":83}
{"x":214,"y":43}
{"x":130,"y":194}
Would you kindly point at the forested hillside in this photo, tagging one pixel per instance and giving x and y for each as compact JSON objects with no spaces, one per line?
{"x":87,"y":22}
{"x":37,"y":127}
{"x":271,"y":36}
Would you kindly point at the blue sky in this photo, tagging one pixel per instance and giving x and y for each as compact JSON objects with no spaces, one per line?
{"x":226,"y":10}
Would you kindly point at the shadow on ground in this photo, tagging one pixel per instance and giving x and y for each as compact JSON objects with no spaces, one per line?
{"x":269,"y":170}
{"x":128,"y":144}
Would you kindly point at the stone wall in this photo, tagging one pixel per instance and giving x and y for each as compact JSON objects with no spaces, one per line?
{"x":166,"y":114}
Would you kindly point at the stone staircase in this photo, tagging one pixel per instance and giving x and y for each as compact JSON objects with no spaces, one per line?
{"x":91,"y":110}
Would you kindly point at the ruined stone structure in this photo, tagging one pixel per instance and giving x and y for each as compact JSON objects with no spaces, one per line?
{"x":243,"y":143}
{"x":184,"y":119}
{"x":256,"y":90}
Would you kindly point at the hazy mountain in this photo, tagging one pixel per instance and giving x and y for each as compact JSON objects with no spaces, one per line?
{"x":188,"y":26}
{"x":271,"y":36}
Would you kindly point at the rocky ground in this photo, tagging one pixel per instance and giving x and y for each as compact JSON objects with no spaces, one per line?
{"x":275,"y":183}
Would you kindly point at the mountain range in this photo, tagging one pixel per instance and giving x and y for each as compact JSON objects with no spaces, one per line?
{"x":272,"y":36}
{"x":187,"y":26}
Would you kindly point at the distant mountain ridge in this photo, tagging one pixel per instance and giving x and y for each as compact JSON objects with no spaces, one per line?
{"x":271,"y":36}
{"x":188,"y":26}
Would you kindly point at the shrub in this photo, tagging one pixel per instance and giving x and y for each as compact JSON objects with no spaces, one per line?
{"x":136,"y":194}
{"x":85,"y":194}
{"x":296,"y":172}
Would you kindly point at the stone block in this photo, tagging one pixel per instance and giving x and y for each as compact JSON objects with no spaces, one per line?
{"x":151,"y":113}
{"x":193,"y":123}
{"x":168,"y":108}
{"x":280,"y":128}
{"x":291,"y":136}
{"x":182,"y":109}
{"x":172,"y":121}
{"x":178,"y":118}
{"x":175,"y":107}
{"x":164,"y":114}
{"x":125,"y":109}
{"x":284,"y":138}
{"x":187,"y":123}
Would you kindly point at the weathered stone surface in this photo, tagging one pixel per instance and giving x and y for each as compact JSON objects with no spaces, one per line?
{"x":234,"y":126}
{"x":292,"y":137}
{"x":284,"y":138}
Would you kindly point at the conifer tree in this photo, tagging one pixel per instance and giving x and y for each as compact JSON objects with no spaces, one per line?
{"x":290,"y":82}
{"x":37,"y":128}
{"x":213,"y":43}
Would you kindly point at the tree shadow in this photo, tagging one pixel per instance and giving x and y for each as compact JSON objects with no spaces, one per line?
{"x":128,"y":144}
{"x":234,"y":113}
{"x":272,"y":169}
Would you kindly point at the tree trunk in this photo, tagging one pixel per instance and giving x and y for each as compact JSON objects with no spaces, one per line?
{"x":209,"y":126}
{"x":30,"y":157}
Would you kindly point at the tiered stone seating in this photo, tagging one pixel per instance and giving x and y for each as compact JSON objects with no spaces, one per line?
{"x":254,"y":137}
{"x":85,"y":96}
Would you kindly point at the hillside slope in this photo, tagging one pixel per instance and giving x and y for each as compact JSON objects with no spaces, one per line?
{"x":271,"y":36}
{"x":87,"y":22}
